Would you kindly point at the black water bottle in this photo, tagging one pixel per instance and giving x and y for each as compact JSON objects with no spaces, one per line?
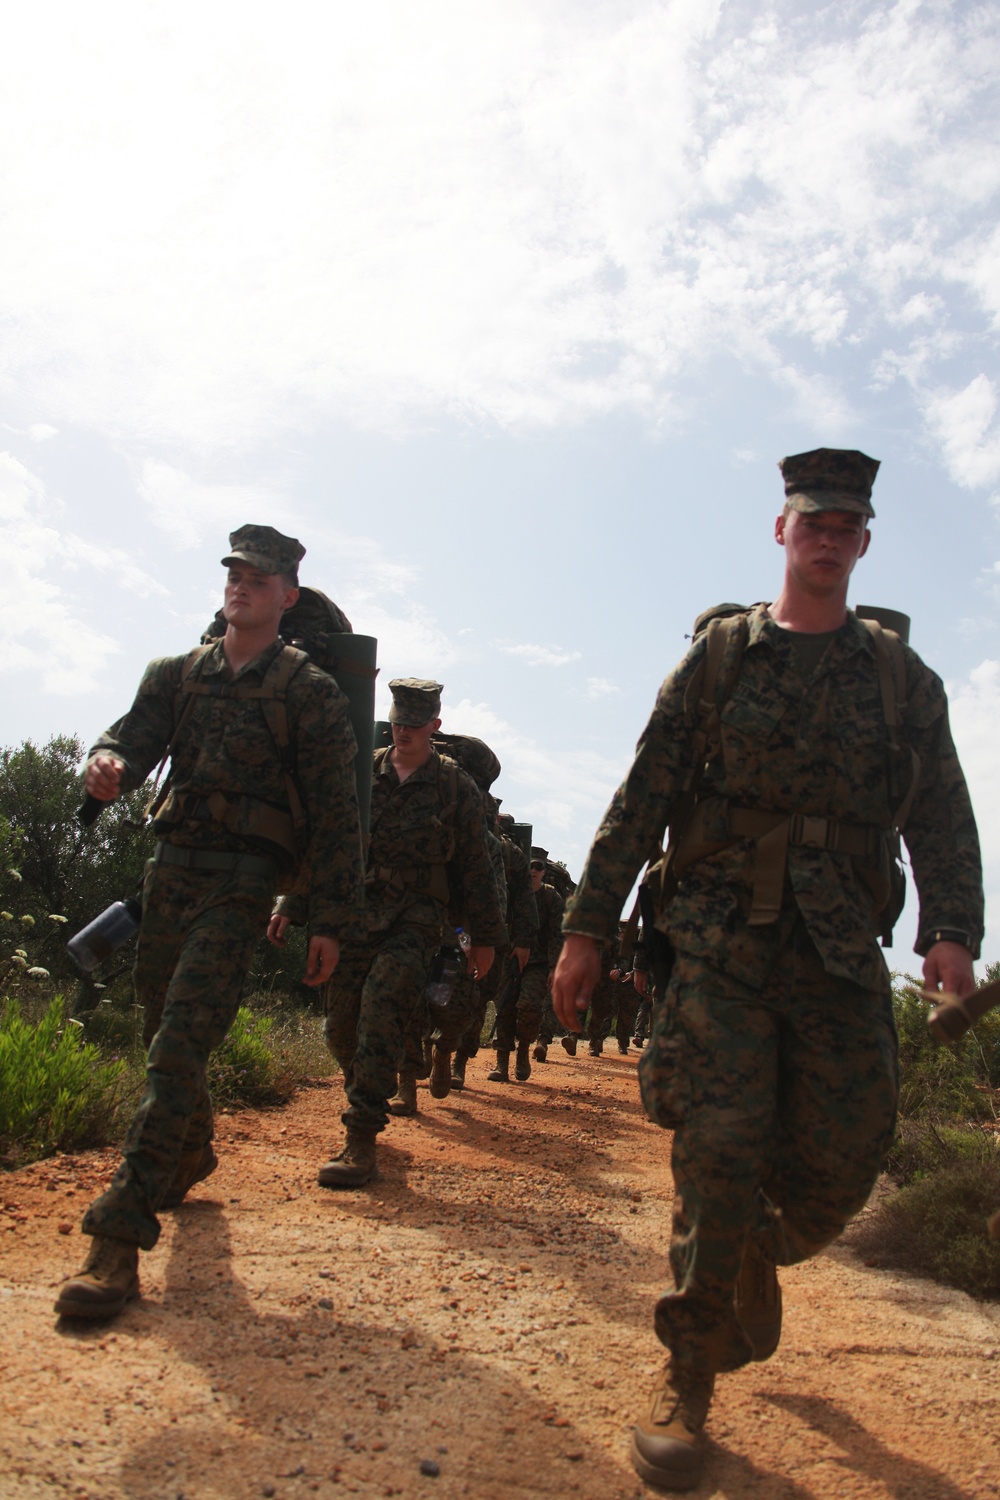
{"x":101,"y":937}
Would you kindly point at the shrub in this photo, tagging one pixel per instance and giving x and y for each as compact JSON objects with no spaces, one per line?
{"x":952,"y":1082}
{"x":935,"y":1225}
{"x":57,"y":1092}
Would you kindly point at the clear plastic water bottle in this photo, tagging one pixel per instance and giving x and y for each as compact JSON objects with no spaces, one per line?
{"x":106,"y":933}
{"x":448,"y":964}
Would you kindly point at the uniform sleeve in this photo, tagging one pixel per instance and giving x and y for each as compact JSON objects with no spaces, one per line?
{"x":141,"y":737}
{"x":480,"y":901}
{"x":333,"y":869}
{"x":940,"y":831}
{"x":640,"y":809}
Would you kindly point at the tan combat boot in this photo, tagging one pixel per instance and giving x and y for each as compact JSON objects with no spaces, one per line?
{"x":194,"y":1166}
{"x":501,"y":1073}
{"x":667,"y":1441}
{"x":458,"y":1071}
{"x":440,"y":1084}
{"x":568,"y":1043}
{"x":596,"y":1048}
{"x":356,"y":1163}
{"x":522,"y":1064}
{"x":758,"y":1300}
{"x":404,"y":1101}
{"x":541,"y":1052}
{"x":108,"y":1278}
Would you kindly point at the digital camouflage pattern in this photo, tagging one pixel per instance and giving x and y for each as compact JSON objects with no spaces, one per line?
{"x":428,"y":852}
{"x":782,"y":1096}
{"x":792,"y":744}
{"x":426,"y":856}
{"x":227,"y":747}
{"x":375,"y":1013}
{"x":199,"y":930}
{"x":830,"y":479}
{"x":415,"y":700}
{"x":264,"y":548}
{"x":522,"y":914}
{"x":533,"y":1017}
{"x":773,"y":1056}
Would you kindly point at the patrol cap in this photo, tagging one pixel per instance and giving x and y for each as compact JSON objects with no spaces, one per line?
{"x":415,"y":701}
{"x":264,"y":548}
{"x":506,"y":820}
{"x":539,"y":855}
{"x":830,"y":479}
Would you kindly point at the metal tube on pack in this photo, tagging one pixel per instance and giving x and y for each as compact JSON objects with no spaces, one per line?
{"x":354,"y":673}
{"x":522,"y":833}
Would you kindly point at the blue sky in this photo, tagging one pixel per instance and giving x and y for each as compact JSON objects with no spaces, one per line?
{"x":509,"y":313}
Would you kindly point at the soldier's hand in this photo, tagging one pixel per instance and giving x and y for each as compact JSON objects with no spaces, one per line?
{"x":522,"y":955}
{"x":577,"y":974}
{"x":948,"y":966}
{"x":103,"y":777}
{"x":324,"y":955}
{"x":276,"y":929}
{"x":641,"y":981}
{"x":480,"y":961}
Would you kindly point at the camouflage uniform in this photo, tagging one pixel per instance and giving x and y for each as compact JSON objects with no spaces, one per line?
{"x":208,"y":891}
{"x":614,"y":1000}
{"x":427,"y":852}
{"x":521,"y":1023}
{"x":522,"y":923}
{"x":774,"y":1056}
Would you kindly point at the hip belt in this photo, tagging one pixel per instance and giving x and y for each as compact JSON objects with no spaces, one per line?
{"x":212,"y":859}
{"x":773,"y":833}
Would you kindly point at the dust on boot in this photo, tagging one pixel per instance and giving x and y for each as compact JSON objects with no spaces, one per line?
{"x":108,"y":1278}
{"x":356,"y":1163}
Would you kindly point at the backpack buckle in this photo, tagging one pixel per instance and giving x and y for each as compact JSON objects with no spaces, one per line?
{"x":813,"y":832}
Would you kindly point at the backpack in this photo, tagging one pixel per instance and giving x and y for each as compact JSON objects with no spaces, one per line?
{"x":312,"y":624}
{"x":727,"y":630}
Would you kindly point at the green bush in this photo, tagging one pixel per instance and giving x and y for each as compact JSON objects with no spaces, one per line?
{"x":935,"y":1225}
{"x":243,"y":1070}
{"x":57,"y":1092}
{"x":955,"y":1082}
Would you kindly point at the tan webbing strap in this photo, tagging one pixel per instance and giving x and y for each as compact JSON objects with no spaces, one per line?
{"x":155,"y":797}
{"x":770,"y":859}
{"x":891,"y":665}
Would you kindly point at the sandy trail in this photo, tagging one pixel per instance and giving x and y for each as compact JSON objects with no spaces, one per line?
{"x":484,"y":1308}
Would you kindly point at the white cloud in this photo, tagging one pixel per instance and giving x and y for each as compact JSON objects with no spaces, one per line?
{"x":40,"y":432}
{"x":44,"y":629}
{"x":189,"y":510}
{"x":601,"y":687}
{"x":969,"y":437}
{"x":975,"y":723}
{"x":522,"y":214}
{"x":538,"y":656}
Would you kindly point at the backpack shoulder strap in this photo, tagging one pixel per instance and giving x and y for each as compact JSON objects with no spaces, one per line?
{"x":890,"y":662}
{"x":188,"y":665}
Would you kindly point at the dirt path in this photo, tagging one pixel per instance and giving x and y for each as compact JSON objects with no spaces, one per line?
{"x":484,"y":1309}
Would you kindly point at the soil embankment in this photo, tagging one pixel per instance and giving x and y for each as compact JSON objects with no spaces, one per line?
{"x":484,"y":1309}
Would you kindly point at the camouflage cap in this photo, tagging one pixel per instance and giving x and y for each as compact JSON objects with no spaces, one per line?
{"x":415,"y":701}
{"x":538,"y":853}
{"x":264,"y":548}
{"x":830,"y":479}
{"x":506,"y":820}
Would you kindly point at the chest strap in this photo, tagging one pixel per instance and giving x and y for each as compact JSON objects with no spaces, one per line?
{"x":773,"y":833}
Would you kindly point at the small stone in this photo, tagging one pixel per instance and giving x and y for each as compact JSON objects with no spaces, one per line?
{"x":325,"y":1303}
{"x":575,"y":1456}
{"x":429,"y":1468}
{"x":65,"y":1228}
{"x":267,"y":1490}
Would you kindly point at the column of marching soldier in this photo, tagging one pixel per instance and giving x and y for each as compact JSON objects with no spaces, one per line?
{"x":786,"y":753}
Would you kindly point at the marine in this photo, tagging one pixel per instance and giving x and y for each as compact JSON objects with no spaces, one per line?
{"x":773,"y":1056}
{"x":518,"y":1023}
{"x":232,"y":823}
{"x":427,"y":854}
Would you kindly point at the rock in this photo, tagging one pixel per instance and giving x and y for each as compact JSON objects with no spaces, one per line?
{"x":429,"y":1468}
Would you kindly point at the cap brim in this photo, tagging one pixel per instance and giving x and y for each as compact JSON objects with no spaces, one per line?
{"x":811,"y":502}
{"x":256,"y":560}
{"x":408,"y":720}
